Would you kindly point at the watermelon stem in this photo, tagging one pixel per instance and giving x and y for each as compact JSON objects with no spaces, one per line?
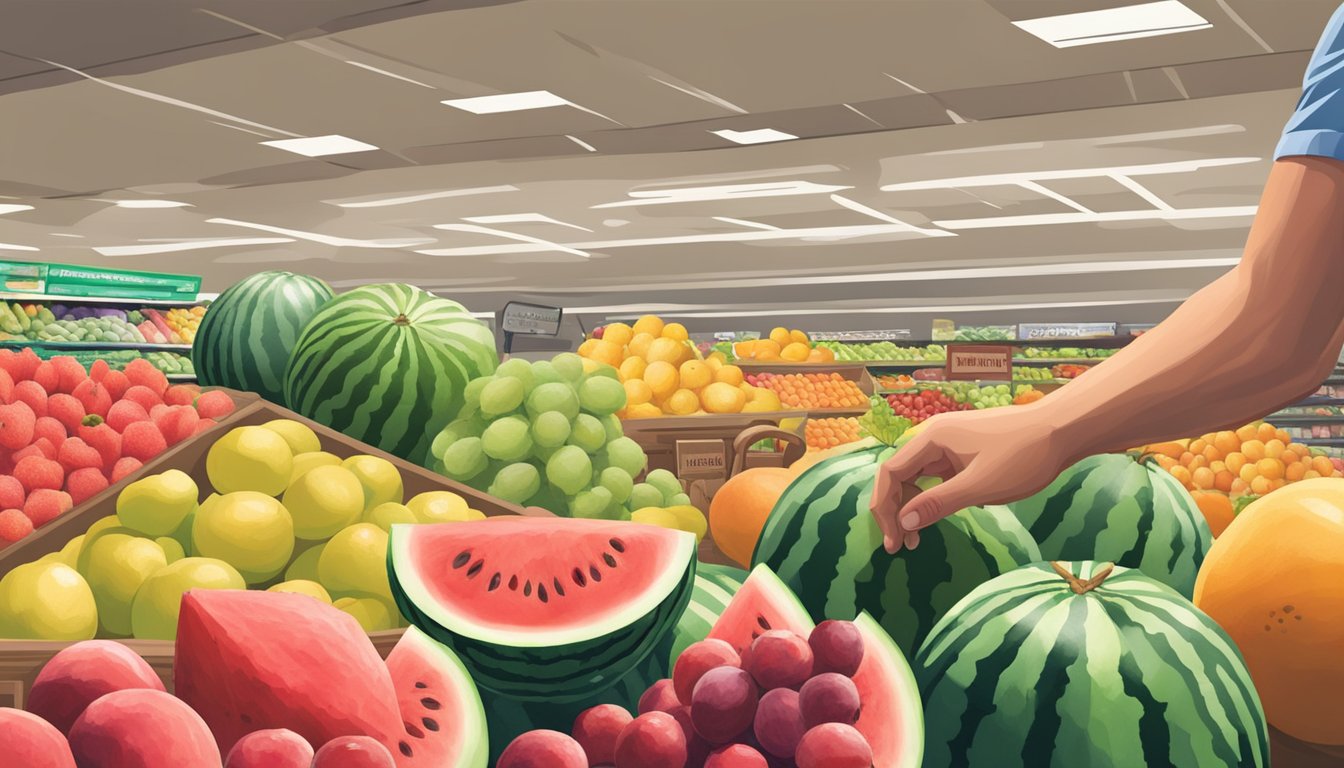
{"x":402,"y":319}
{"x":1080,"y":586}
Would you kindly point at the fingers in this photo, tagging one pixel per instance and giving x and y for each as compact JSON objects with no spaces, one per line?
{"x":961,"y":491}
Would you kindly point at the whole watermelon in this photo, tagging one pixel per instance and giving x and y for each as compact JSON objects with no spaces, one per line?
{"x":714,"y":588}
{"x":822,"y":541}
{"x":1113,"y":508}
{"x":1094,"y":668}
{"x":247,"y":334}
{"x":387,"y":364}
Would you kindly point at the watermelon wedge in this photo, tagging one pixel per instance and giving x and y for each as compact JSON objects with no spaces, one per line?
{"x":892,"y":718}
{"x":543,"y":609}
{"x":444,"y":719}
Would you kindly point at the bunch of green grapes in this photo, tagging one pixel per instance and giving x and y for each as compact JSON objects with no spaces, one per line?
{"x":545,"y":434}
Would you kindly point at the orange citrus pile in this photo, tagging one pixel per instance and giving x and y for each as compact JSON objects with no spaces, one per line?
{"x":663,"y":375}
{"x":828,"y":433}
{"x":783,"y":346}
{"x":1257,"y":458}
{"x":814,"y":390}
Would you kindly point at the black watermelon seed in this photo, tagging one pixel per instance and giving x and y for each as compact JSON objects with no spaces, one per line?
{"x":541,"y":593}
{"x":462,"y":559}
{"x":431,"y":723}
{"x":596,"y":574}
{"x":527,"y":589}
{"x":475,"y":569}
{"x":617,"y":545}
{"x":494,"y":583}
{"x":559,"y":590}
{"x":513,"y":583}
{"x":764,"y":624}
{"x":405,"y":749}
{"x":421,"y":685}
{"x":431,"y":703}
{"x":415,"y":731}
{"x":610,"y":561}
{"x":579,"y":578}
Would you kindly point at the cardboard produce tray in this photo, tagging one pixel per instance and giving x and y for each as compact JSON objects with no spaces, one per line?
{"x":189,"y":456}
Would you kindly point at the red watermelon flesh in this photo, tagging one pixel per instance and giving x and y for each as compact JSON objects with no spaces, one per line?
{"x":444,"y":722}
{"x":250,"y":661}
{"x":761,"y":604}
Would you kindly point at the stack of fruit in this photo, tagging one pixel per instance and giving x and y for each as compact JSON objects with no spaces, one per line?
{"x":1027,"y":395}
{"x":884,"y":351}
{"x":828,"y":433}
{"x":782,"y":345}
{"x":66,"y":434}
{"x":184,"y":322}
{"x":1069,"y":370}
{"x":546,"y":434}
{"x":171,"y":363}
{"x":278,"y":512}
{"x":925,"y":404}
{"x":812,"y":391}
{"x":1255,"y":459}
{"x":1032,"y":373}
{"x":1068,"y":353}
{"x":889,"y":381}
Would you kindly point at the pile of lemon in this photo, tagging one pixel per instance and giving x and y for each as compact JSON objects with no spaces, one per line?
{"x":664,"y":375}
{"x":782,"y":346}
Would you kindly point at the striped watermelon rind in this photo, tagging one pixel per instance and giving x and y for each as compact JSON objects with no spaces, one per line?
{"x":714,"y":588}
{"x":1026,"y":672}
{"x":246,"y":336}
{"x":822,"y":541}
{"x":387,"y":364}
{"x":1112,"y":508}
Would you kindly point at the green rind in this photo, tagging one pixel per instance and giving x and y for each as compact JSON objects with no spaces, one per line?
{"x":905,"y":688}
{"x":246,"y":336}
{"x":391,"y":385}
{"x":469,"y":724}
{"x":714,"y":588}
{"x":1112,"y":508}
{"x":1023,"y":672}
{"x":822,"y":541}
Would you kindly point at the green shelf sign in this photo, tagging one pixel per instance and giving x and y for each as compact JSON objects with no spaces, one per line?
{"x":95,"y":282}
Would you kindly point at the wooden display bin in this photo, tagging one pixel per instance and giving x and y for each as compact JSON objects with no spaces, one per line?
{"x":855,"y":373}
{"x":189,"y":456}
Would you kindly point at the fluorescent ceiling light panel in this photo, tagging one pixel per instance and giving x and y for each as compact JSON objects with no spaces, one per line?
{"x":419,"y":197}
{"x":335,"y":242}
{"x":1097,"y":218}
{"x":997,"y":179}
{"x":522,"y":218}
{"x":13,"y":247}
{"x":508,"y":102}
{"x":13,"y":208}
{"x":758,"y":136}
{"x":1168,"y":17}
{"x":151,"y":204}
{"x":320,"y":146}
{"x":194,"y":245}
{"x":724,"y":192}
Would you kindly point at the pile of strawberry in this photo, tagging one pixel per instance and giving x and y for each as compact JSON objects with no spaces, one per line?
{"x":67,"y":433}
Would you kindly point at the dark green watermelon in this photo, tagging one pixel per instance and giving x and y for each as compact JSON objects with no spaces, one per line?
{"x":247,"y":334}
{"x":1094,"y":669}
{"x":822,"y":541}
{"x":1115,"y":509}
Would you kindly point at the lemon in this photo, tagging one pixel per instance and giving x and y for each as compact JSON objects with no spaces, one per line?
{"x":380,"y":478}
{"x":304,"y":567}
{"x":306,"y":461}
{"x":323,"y":501}
{"x":69,"y":554}
{"x":172,"y":548}
{"x":663,"y":518}
{"x":303,"y":587}
{"x":115,"y":564}
{"x":47,"y":601}
{"x":157,"y":505}
{"x":373,"y":614}
{"x":301,"y":438}
{"x":690,"y":519}
{"x":439,"y":507}
{"x":355,"y":561}
{"x":389,"y":514}
{"x":250,"y":459}
{"x":158,"y":601}
{"x":248,"y":530}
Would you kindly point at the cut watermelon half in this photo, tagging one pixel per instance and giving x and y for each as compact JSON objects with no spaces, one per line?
{"x":441,"y":710}
{"x":543,"y":608}
{"x":892,"y":719}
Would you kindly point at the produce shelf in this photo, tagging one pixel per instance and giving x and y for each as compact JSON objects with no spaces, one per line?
{"x":52,"y":298}
{"x":1302,"y":419}
{"x":1328,"y":441}
{"x":136,"y":345}
{"x":1315,"y":400}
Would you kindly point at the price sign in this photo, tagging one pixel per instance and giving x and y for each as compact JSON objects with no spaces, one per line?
{"x":702,"y":459}
{"x":531,"y":319}
{"x":1044,"y":331}
{"x":971,"y":362}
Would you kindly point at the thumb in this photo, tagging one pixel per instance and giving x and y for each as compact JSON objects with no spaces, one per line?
{"x":926,"y":508}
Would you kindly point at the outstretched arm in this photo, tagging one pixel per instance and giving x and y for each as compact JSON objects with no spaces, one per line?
{"x":1263,"y":335}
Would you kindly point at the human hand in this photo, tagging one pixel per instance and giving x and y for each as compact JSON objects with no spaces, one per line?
{"x":985,"y":457}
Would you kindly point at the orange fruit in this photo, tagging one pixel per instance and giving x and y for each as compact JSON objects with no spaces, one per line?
{"x":643,"y":411}
{"x":1224,"y":480}
{"x":1217,"y":509}
{"x":1274,"y":448}
{"x":794,"y":352}
{"x":1261,"y":485}
{"x":1266,"y":432}
{"x":1235,"y":461}
{"x":1278,"y":565}
{"x":608,"y":353}
{"x":676,"y":332}
{"x":1323,"y":466}
{"x":738,"y":511}
{"x":1282,"y":436}
{"x":1253,"y":450}
{"x":586,"y":348}
{"x":781,"y":336}
{"x":695,"y":374}
{"x":650,"y":324}
{"x":714,"y":363}
{"x":1247,"y":432}
{"x":766,"y":349}
{"x":631,"y":368}
{"x":723,"y":398}
{"x":729,"y":374}
{"x":639,"y":345}
{"x":744,"y":350}
{"x":1227,"y":442}
{"x":1202,"y":478}
{"x":798,"y":337}
{"x":1248,"y":472}
{"x":637,"y":392}
{"x":662,"y":379}
{"x":1182,"y":475}
{"x":683,"y":402}
{"x":1311,"y":475}
{"x":1295,"y":471}
{"x":1197,"y":445}
{"x":619,"y":334}
{"x":1212,"y":453}
{"x":665,"y":350}
{"x":1239,"y":487}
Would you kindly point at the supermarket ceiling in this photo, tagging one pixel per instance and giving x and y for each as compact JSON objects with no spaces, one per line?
{"x":701,"y":156}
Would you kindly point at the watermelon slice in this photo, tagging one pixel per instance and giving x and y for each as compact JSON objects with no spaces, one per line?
{"x":444,"y":720}
{"x":892,"y":718}
{"x":543,"y":609}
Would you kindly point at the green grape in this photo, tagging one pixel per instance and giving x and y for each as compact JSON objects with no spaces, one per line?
{"x":509,"y":439}
{"x":625,"y":453}
{"x":516,"y":368}
{"x":516,"y":483}
{"x":545,"y":454}
{"x":445,"y":438}
{"x":465,"y":459}
{"x":501,"y":396}
{"x":592,"y":503}
{"x":612,"y":425}
{"x":550,"y":498}
{"x":644,"y":495}
{"x":588,"y":434}
{"x":471,"y":394}
{"x":544,"y":373}
{"x":601,"y":396}
{"x":550,"y":429}
{"x":680,"y":500}
{"x":553,"y":396}
{"x":569,"y":469}
{"x":618,"y":482}
{"x":666,"y":483}
{"x":568,"y":365}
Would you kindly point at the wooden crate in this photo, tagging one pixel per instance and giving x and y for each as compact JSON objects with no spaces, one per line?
{"x":189,"y":456}
{"x":658,"y":437}
{"x":855,"y":373}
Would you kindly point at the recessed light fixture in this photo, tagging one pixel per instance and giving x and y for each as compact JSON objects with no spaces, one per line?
{"x":758,"y":136}
{"x":13,"y":247}
{"x":151,"y":204}
{"x":320,"y":146}
{"x":507,"y":102}
{"x":1167,"y":17}
{"x":13,"y":208}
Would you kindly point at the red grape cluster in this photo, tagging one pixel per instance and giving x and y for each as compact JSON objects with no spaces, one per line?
{"x":919,"y":406}
{"x":784,"y":702}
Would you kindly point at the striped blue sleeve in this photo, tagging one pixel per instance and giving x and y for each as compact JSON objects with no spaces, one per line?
{"x":1317,"y":125}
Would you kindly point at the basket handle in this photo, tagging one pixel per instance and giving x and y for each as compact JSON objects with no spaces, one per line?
{"x":751,"y":435}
